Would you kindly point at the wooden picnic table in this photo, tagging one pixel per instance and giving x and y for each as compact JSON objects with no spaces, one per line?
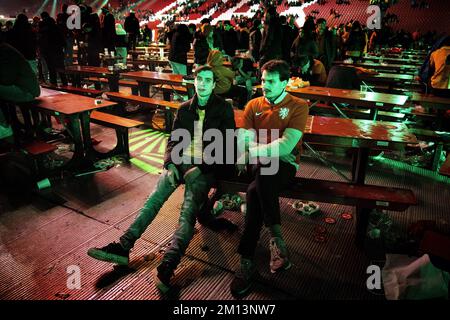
{"x":404,"y":68}
{"x":360,"y":135}
{"x":76,"y":110}
{"x":80,"y":72}
{"x":147,"y":78}
{"x":371,"y":100}
{"x":389,"y":79}
{"x":153,"y":62}
{"x":414,"y":62}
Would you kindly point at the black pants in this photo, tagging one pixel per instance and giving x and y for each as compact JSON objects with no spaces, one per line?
{"x":263,"y":204}
{"x":55,"y":63}
{"x":441,"y":92}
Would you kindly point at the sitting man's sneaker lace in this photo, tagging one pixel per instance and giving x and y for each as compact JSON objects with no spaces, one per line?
{"x":278,"y":255}
{"x":161,"y":278}
{"x":243,"y":278}
{"x":113,"y":252}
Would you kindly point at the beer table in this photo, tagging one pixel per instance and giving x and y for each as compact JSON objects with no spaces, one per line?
{"x":371,"y":100}
{"x":90,"y":71}
{"x":404,"y":68}
{"x":76,"y":109}
{"x":361,"y":135}
{"x":147,"y":78}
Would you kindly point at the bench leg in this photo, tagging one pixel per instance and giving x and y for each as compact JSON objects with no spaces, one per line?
{"x":123,"y":147}
{"x":144,"y":89}
{"x":362,"y":222}
{"x":168,"y":119}
{"x":135,"y":90}
{"x":166,"y":95}
{"x":437,"y":156}
{"x":359,"y":165}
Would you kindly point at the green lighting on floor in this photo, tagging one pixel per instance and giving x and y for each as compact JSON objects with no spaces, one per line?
{"x":162,"y":146}
{"x":142,"y":131}
{"x":152,"y":158}
{"x":151,"y":134}
{"x":144,"y":142}
{"x":145,"y":166}
{"x":153,"y":145}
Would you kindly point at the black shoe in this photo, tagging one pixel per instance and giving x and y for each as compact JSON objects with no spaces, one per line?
{"x":113,"y":252}
{"x":279,"y":259}
{"x":243,"y":278}
{"x":161,"y":277}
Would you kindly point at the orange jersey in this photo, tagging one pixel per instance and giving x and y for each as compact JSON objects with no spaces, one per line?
{"x":292,"y":112}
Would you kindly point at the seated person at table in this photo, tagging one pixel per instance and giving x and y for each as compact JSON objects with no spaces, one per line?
{"x":277,"y":109}
{"x":225,"y":78}
{"x":312,"y":71}
{"x":18,"y":82}
{"x":440,"y":65}
{"x":343,"y":77}
{"x":245,"y":73}
{"x":186,"y":165}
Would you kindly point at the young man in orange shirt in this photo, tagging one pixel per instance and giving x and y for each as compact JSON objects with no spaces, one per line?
{"x":276,"y":110}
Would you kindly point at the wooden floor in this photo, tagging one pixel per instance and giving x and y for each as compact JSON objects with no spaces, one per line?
{"x":43,"y":242}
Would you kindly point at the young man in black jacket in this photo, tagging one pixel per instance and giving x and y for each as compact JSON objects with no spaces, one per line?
{"x":185,"y":165}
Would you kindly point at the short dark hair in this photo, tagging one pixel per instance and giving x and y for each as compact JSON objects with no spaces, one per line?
{"x":205,"y":68}
{"x":320,"y":20}
{"x":279,"y":66}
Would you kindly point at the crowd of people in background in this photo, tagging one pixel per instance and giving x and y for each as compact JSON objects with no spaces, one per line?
{"x":48,"y":44}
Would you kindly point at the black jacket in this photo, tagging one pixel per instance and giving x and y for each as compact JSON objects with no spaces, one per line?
{"x":180,"y":45}
{"x":201,"y":48}
{"x":219,"y":115}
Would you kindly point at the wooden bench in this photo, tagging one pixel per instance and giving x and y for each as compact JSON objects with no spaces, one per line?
{"x":124,"y":83}
{"x":168,"y":89}
{"x":359,"y":113}
{"x":37,"y":150}
{"x":168,"y":107}
{"x":363,"y":197}
{"x":441,"y":139}
{"x":76,"y":90}
{"x":121,"y":126}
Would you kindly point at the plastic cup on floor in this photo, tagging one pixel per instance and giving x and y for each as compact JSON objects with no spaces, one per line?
{"x":43,"y":184}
